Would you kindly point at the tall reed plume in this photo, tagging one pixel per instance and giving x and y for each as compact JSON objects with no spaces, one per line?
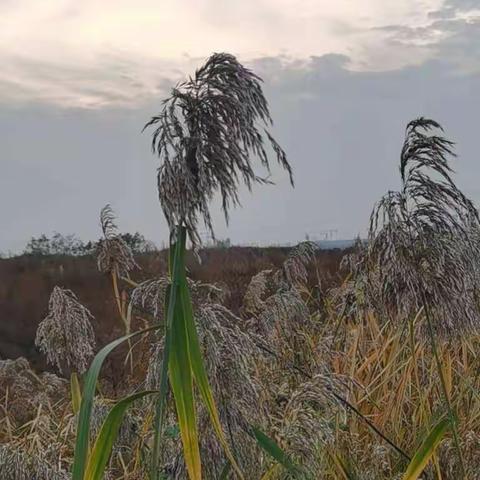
{"x":208,"y":132}
{"x":114,"y":256}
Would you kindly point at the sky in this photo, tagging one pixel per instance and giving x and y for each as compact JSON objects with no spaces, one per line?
{"x":78,"y":80}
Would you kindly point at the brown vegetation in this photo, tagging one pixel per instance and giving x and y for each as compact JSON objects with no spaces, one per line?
{"x":26,"y":283}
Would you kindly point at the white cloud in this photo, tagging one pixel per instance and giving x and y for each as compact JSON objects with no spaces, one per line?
{"x":93,"y":53}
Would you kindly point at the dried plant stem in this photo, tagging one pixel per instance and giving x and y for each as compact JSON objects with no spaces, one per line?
{"x":448,"y":405}
{"x":121,"y":311}
{"x":131,"y":282}
{"x":118,"y":299}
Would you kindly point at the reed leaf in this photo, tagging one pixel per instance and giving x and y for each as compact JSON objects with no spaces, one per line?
{"x":103,"y":445}
{"x":275,"y":451}
{"x":181,"y":380}
{"x":198,"y":366}
{"x":170,"y":301}
{"x":83,"y":424}
{"x":426,"y":450}
{"x":184,"y":358}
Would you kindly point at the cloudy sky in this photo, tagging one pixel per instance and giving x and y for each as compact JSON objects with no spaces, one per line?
{"x":78,"y":80}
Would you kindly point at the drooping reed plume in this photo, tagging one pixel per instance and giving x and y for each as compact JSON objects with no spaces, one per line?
{"x":114,"y":256}
{"x":66,"y":334}
{"x":306,"y":427}
{"x":420,"y":244}
{"x":150,"y":295}
{"x":258,"y":289}
{"x":291,"y":277}
{"x":274,"y":302}
{"x":206,"y":136}
{"x":27,"y":391}
{"x":294,"y":271}
{"x":32,"y":443}
{"x":357,"y":292}
{"x":421,"y":253}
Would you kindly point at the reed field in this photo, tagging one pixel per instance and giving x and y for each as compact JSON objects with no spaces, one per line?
{"x":227,"y":364}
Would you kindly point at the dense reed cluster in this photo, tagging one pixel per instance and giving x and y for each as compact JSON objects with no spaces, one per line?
{"x":279,"y":364}
{"x":300,"y":382}
{"x":423,"y":248}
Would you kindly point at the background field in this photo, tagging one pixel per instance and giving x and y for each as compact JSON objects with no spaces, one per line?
{"x":26,"y":283}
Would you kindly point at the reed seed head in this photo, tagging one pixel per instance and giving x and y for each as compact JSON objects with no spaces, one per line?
{"x":113,"y":254}
{"x":294,"y":269}
{"x":205,"y":136}
{"x":420,"y":249}
{"x":66,"y":334}
{"x":256,"y":292}
{"x":16,"y":464}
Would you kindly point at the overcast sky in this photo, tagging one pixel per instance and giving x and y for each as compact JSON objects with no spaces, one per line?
{"x":78,"y":80}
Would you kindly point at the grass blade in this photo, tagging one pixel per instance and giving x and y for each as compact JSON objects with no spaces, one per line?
{"x":83,"y":424}
{"x":198,"y":366}
{"x":183,"y":359}
{"x":274,"y":450}
{"x":170,"y":301}
{"x":103,"y":445}
{"x":181,"y":380}
{"x":426,"y":450}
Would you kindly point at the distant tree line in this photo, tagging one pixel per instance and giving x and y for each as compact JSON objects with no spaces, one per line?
{"x":59,"y":244}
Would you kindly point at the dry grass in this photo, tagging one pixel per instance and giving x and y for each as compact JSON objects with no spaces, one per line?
{"x":384,"y":369}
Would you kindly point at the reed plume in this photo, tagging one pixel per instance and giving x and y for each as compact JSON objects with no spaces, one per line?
{"x":420,"y":250}
{"x":294,"y":271}
{"x":420,"y":245}
{"x":205,"y":136}
{"x":114,"y":256}
{"x":16,"y":464}
{"x":66,"y":334}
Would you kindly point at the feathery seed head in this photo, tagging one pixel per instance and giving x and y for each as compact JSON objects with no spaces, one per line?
{"x":256,"y":293}
{"x":150,"y":296}
{"x":294,"y":268}
{"x":113,"y":254}
{"x":16,"y":464}
{"x":419,"y":246}
{"x":205,"y":136}
{"x":66,"y":334}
